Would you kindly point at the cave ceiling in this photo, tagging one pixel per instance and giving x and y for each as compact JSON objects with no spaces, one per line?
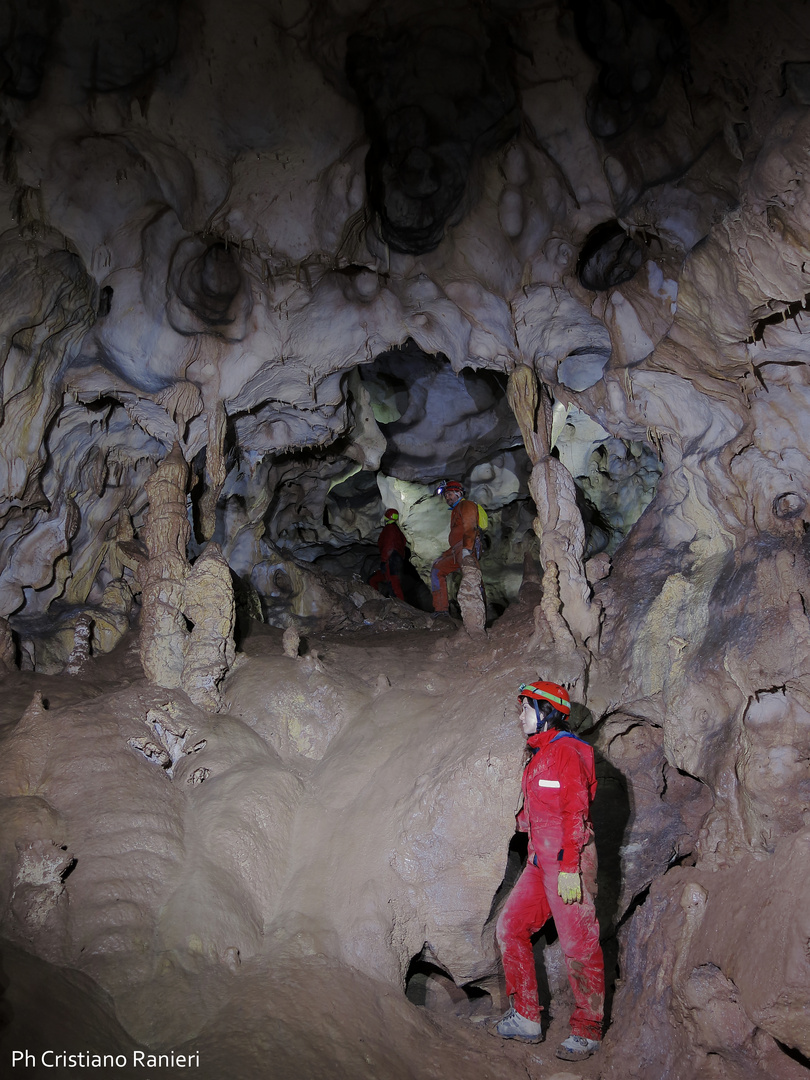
{"x":215,"y":219}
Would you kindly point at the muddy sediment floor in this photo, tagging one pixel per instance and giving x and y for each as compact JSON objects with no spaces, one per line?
{"x":275,"y":887}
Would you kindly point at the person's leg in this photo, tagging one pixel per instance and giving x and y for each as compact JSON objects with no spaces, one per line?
{"x":394,"y":567}
{"x":444,"y":565}
{"x":524,"y":913}
{"x":578,"y":929}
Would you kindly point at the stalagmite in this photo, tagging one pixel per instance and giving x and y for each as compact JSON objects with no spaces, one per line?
{"x":291,"y":642}
{"x":188,"y":613}
{"x":162,"y":576}
{"x":470,"y":599}
{"x":209,"y":649}
{"x":548,"y":622}
{"x":34,"y":713}
{"x":693,"y":902}
{"x":80,"y":652}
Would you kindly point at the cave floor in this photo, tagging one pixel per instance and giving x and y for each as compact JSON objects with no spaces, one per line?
{"x":275,"y":1015}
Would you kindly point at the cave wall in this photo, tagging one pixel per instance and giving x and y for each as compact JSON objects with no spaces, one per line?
{"x":304,"y":242}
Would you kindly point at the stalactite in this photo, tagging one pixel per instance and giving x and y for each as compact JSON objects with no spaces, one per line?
{"x":521,"y":393}
{"x":214,"y":469}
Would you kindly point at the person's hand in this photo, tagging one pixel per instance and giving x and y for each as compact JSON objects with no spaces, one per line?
{"x":569,"y":888}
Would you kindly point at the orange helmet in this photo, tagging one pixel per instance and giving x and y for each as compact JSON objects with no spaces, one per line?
{"x":452,"y":486}
{"x":391,"y":515}
{"x":547,"y":691}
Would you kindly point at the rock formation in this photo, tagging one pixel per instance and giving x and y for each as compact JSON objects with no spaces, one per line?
{"x":471,"y":599}
{"x":187,"y":612}
{"x":209,"y":606}
{"x":269,"y":269}
{"x":558,"y":523}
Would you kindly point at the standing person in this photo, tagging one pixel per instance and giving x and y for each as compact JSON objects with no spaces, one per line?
{"x":394,"y":553}
{"x":559,"y":880}
{"x":464,"y":542}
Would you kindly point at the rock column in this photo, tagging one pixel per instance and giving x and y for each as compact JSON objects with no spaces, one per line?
{"x":163,"y":575}
{"x":187,"y":614}
{"x":558,"y":523}
{"x":208,"y":604}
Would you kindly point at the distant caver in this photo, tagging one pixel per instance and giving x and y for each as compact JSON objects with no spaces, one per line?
{"x":464,"y":541}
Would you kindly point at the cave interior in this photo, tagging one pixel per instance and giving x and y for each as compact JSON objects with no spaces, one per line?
{"x":269,"y":269}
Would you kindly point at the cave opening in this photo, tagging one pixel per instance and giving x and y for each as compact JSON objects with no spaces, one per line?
{"x":68,"y":870}
{"x":794,"y":1054}
{"x":432,"y":988}
{"x":105,"y":301}
{"x":638,"y":901}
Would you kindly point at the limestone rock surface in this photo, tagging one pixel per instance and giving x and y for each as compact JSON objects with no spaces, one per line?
{"x":293,"y":257}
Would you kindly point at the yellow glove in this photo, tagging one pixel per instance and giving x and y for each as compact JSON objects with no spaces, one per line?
{"x":569,"y":888}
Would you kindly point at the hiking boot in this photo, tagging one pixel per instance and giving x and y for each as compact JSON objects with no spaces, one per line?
{"x":514,"y":1026}
{"x":577,"y":1048}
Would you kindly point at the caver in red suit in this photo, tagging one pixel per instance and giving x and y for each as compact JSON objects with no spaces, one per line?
{"x":393,"y":547}
{"x":464,"y":542}
{"x":559,"y":783}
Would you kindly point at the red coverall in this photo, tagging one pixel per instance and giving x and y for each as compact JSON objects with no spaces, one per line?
{"x":393,"y":550}
{"x":559,"y":783}
{"x":463,"y":536}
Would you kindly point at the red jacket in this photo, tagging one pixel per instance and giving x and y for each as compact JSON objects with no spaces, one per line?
{"x":559,"y":783}
{"x":391,"y":539}
{"x":463,"y":525}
